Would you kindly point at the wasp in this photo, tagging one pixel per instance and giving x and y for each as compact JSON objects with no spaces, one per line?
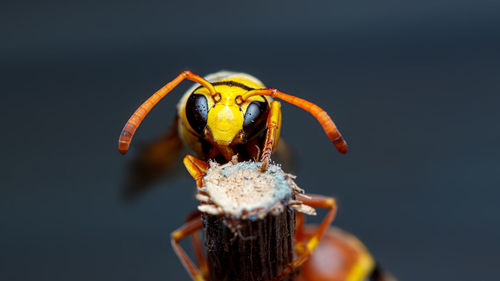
{"x":232,"y":114}
{"x":229,"y":114}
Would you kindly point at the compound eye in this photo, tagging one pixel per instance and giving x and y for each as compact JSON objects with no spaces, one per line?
{"x":197,"y":112}
{"x":255,"y":118}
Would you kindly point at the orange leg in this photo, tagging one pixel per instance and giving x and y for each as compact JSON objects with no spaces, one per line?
{"x":316,"y":111}
{"x":197,"y":245}
{"x":196,"y":168}
{"x":273,"y":124}
{"x":299,"y":227}
{"x":192,"y":226}
{"x":139,"y":115}
{"x":306,"y":249}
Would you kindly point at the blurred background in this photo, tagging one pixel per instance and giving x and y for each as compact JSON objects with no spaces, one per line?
{"x":413,"y":86}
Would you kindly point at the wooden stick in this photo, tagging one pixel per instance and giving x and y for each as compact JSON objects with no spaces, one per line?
{"x":259,"y":250}
{"x":249,"y":222}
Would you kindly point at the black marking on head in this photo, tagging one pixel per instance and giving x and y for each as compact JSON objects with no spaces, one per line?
{"x":197,"y":112}
{"x":255,"y":118}
{"x":230,"y":84}
{"x":233,"y":84}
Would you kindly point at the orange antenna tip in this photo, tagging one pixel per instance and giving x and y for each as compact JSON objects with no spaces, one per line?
{"x":340,"y":144}
{"x":123,"y":146}
{"x":126,"y":138}
{"x":123,"y":150}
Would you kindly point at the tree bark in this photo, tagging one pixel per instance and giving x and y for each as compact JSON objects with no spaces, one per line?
{"x":258,"y":250}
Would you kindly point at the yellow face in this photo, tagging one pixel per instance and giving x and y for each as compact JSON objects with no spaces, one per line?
{"x":220,"y":120}
{"x":225,"y":118}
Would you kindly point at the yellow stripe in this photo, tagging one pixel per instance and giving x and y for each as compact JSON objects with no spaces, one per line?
{"x":362,"y":268}
{"x":198,"y":277}
{"x":311,"y":245}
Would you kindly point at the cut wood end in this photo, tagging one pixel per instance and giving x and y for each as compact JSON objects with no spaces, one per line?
{"x":242,"y":190}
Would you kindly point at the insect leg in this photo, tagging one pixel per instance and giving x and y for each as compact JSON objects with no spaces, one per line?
{"x":299,"y":232}
{"x":300,"y":246}
{"x":317,"y":201}
{"x":196,"y":168}
{"x":324,"y":202}
{"x":190,"y":227}
{"x":273,"y":125}
{"x":197,"y":245}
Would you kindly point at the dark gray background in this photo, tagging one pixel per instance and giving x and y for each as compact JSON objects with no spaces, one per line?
{"x":413,"y":86}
